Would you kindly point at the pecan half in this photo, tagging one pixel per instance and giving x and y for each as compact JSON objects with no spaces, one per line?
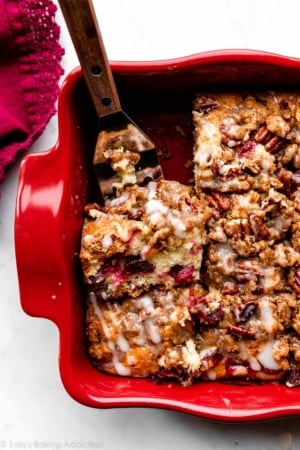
{"x":241,"y":331}
{"x":259,"y":229}
{"x":205,"y":104}
{"x":294,"y":279}
{"x":244,"y":311}
{"x":219,"y":201}
{"x":238,"y":228}
{"x":272,"y":142}
{"x":230,"y":288}
{"x":286,"y":178}
{"x":274,"y":145}
{"x":262,"y":135}
{"x":247,"y":270}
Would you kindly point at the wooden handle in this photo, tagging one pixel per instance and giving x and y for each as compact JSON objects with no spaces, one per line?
{"x":81,"y":21}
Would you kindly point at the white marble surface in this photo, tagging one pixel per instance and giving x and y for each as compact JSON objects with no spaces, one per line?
{"x":35,"y":410}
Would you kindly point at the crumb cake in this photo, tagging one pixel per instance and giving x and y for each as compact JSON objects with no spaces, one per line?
{"x":245,"y":142}
{"x":202,"y":282}
{"x":145,"y":237}
{"x":190,"y":333}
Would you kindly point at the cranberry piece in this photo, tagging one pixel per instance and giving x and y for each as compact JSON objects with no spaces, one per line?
{"x":247,"y":149}
{"x":199,"y":306}
{"x":283,"y":104}
{"x":182,"y":274}
{"x":134,"y":264}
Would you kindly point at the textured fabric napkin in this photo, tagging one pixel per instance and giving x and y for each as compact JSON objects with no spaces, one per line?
{"x":30,"y":69}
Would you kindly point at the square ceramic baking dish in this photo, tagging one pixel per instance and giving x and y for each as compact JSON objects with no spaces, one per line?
{"x":55,"y":185}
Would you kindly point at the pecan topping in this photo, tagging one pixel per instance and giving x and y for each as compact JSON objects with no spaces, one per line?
{"x":205,"y":104}
{"x":274,"y":145}
{"x":241,"y":331}
{"x":230,"y":288}
{"x":294,"y":279}
{"x":259,"y":229}
{"x":262,"y":135}
{"x":238,"y":228}
{"x":286,"y":178}
{"x":271,"y":142}
{"x":247,"y":270}
{"x":219,"y":201}
{"x":244,"y":311}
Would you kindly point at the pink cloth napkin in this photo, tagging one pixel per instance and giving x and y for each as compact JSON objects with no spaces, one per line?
{"x":30,"y":69}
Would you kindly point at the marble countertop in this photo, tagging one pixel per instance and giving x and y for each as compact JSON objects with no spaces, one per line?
{"x":35,"y":409}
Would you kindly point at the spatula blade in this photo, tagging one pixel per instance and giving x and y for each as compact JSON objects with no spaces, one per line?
{"x":124,"y":154}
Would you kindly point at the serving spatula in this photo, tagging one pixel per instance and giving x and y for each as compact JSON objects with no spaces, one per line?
{"x":117,"y":131}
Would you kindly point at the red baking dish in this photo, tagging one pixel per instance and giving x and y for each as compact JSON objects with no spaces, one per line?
{"x":55,"y":185}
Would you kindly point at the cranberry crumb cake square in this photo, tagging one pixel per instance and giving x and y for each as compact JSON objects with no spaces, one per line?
{"x":202,"y":282}
{"x":145,"y":237}
{"x":246,"y":141}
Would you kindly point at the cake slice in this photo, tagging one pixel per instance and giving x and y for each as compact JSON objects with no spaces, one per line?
{"x":189,"y":334}
{"x":129,"y":337}
{"x":147,"y":236}
{"x":251,"y":243}
{"x":246,"y":141}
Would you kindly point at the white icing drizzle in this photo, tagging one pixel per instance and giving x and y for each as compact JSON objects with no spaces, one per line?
{"x":141,"y":339}
{"x":266,"y":313}
{"x":145,"y":303}
{"x":190,"y":355}
{"x":107,"y":241}
{"x":177,"y":224}
{"x":88,"y":238}
{"x":147,"y":326}
{"x":246,"y":355}
{"x":227,"y":256}
{"x":263,"y":157}
{"x":122,"y":343}
{"x":119,"y":367}
{"x":211,"y":374}
{"x":118,"y":200}
{"x":153,"y":331}
{"x":99,"y":314}
{"x":253,"y":363}
{"x":155,"y":209}
{"x":271,"y":278}
{"x":239,"y":371}
{"x":152,"y":190}
{"x":265,"y":357}
{"x":209,"y":148}
{"x":122,"y":231}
